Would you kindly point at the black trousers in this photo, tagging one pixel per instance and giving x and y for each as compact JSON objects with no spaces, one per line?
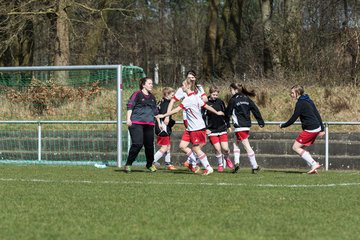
{"x":141,"y":135}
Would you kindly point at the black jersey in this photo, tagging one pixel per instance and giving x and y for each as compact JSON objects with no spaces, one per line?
{"x":239,"y":108}
{"x":162,"y":108}
{"x":215,"y":123}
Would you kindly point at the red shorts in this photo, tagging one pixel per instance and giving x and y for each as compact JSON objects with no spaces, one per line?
{"x":219,"y":138}
{"x":163,"y":140}
{"x":307,"y":138}
{"x":194,"y":137}
{"x":186,"y":136}
{"x":242,"y":135}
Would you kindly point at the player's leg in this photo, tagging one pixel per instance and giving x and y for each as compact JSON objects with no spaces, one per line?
{"x":251,"y":155}
{"x":224,"y":144}
{"x":149,"y":147}
{"x":137,"y":141}
{"x":203,"y":159}
{"x":298,"y":148}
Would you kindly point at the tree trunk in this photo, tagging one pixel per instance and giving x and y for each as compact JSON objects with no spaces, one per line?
{"x":210,"y":40}
{"x":229,"y":38}
{"x":62,"y":48}
{"x":268,"y":58}
{"x":292,"y":34}
{"x":94,"y":36}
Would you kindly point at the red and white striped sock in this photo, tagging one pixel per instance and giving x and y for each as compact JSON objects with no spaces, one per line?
{"x":204,"y":161}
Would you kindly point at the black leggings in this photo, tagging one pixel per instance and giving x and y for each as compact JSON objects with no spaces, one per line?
{"x":141,"y":135}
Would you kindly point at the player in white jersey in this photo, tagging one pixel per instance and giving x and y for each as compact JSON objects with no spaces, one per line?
{"x":192,"y":105}
{"x":179,"y":96}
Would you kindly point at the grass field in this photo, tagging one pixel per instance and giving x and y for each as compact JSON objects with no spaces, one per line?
{"x":83,"y":202}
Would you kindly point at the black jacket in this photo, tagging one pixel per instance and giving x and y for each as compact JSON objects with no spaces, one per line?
{"x":215,"y":123}
{"x":162,"y":108}
{"x":240,"y":106}
{"x":309,"y":115}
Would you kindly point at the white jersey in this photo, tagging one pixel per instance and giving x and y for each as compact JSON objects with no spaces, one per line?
{"x":180,"y":95}
{"x":192,"y":105}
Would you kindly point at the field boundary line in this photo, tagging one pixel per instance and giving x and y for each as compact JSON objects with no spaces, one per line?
{"x":183,"y":183}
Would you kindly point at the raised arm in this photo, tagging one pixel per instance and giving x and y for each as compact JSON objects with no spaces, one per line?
{"x":211,"y":109}
{"x":175,"y":110}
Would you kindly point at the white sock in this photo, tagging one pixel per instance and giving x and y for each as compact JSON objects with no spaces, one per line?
{"x":197,"y":158}
{"x":204,"y":161}
{"x":167,"y":158}
{"x":252,"y":160}
{"x":219,"y":159}
{"x":159,"y":154}
{"x":191,"y":158}
{"x":237,"y":156}
{"x":307,"y":157}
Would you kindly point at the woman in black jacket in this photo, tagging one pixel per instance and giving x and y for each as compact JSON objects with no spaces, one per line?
{"x":239,"y":108}
{"x":311,"y":124}
{"x":140,"y":118}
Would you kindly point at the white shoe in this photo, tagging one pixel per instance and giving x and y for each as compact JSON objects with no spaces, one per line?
{"x":208,"y":171}
{"x":314,"y":168}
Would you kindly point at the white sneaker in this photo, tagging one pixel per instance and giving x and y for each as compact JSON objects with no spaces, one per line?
{"x":208,"y":171}
{"x":314,"y":168}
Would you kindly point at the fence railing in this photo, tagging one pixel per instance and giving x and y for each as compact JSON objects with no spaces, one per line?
{"x":326,"y":125}
{"x":40,"y":123}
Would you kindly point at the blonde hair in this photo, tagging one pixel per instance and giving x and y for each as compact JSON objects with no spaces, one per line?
{"x":167,"y":91}
{"x":213,"y":89}
{"x":190,"y":83}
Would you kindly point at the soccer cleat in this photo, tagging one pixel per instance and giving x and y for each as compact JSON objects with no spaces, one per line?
{"x":170,"y":167}
{"x":186,"y":164}
{"x":152,"y":168}
{"x":196,"y":169}
{"x":208,"y":171}
{"x":255,"y":170}
{"x":237,"y":167}
{"x":314,"y":168}
{"x":220,"y":168}
{"x":229,"y":163}
{"x":156,"y":164}
{"x":127,"y":169}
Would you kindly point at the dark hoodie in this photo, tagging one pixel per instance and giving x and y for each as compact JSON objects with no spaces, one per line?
{"x":309,"y":115}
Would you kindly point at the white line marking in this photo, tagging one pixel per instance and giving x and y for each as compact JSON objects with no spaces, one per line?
{"x":183,"y":183}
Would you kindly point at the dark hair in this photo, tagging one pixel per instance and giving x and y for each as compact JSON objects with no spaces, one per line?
{"x":241,"y":88}
{"x":298,"y":89}
{"x":142,"y":81}
{"x":192,"y":72}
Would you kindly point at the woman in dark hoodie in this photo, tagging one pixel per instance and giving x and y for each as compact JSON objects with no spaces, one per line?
{"x":311,"y":124}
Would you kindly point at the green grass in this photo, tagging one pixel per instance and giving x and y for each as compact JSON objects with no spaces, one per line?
{"x":83,"y":202}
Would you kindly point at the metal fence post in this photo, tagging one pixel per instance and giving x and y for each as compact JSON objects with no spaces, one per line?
{"x":326,"y":146}
{"x":39,"y":141}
